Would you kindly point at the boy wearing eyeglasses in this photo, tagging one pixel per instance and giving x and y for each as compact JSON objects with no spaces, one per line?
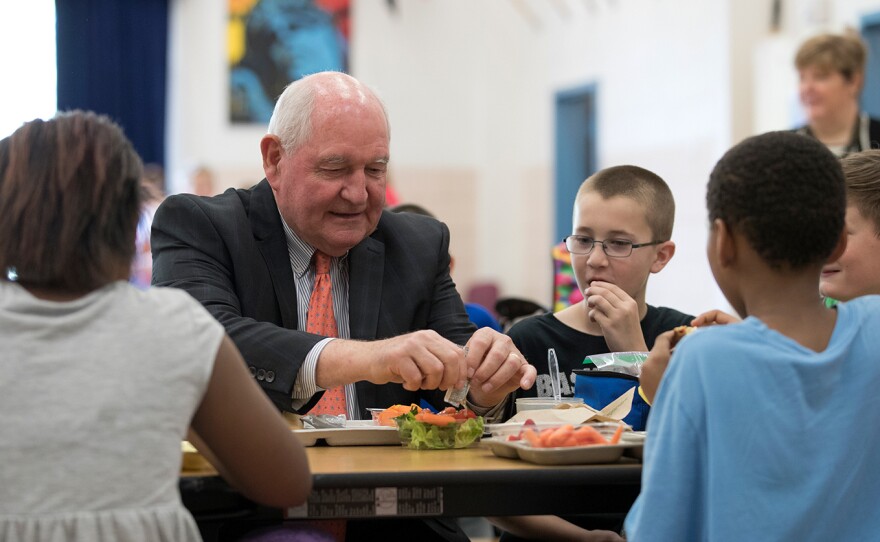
{"x":622,"y":226}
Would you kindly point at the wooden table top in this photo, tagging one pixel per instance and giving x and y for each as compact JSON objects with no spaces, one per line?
{"x":471,"y":481}
{"x":352,"y":460}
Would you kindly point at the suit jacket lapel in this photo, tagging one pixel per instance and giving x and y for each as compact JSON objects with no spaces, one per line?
{"x":365,"y":271}
{"x":269,"y":235}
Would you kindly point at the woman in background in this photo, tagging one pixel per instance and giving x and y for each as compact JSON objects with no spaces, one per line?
{"x":99,"y":380}
{"x":832,"y":74}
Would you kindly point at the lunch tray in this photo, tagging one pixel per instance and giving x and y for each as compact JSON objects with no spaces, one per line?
{"x":355,"y":433}
{"x":569,"y":455}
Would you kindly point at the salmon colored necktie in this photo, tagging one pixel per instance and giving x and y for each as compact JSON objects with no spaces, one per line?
{"x":322,"y":321}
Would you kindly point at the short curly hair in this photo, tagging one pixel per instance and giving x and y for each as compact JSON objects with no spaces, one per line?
{"x":785,"y":193}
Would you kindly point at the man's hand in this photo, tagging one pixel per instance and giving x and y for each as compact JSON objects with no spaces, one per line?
{"x":496,"y":368}
{"x":425,"y":360}
{"x":655,"y":365}
{"x":418,"y":360}
{"x":714,"y":317}
{"x":617,"y":314}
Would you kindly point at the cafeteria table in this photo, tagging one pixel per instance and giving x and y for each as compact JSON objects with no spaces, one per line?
{"x":392,"y":481}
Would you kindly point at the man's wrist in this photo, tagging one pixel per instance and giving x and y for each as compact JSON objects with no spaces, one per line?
{"x":306,"y":385}
{"x":490,"y":414}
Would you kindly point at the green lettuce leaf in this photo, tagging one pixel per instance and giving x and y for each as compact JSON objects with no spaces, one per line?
{"x":424,"y":436}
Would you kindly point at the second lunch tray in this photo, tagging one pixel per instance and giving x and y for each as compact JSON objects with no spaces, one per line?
{"x":355,"y":433}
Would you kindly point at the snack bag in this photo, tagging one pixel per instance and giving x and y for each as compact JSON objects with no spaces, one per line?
{"x":606,"y":377}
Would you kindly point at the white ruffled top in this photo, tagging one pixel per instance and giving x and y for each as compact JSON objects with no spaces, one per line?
{"x":95,"y":396}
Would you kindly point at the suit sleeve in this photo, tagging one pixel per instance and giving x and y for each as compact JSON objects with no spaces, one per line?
{"x":417,"y":293}
{"x":192,"y":246}
{"x":448,"y":315}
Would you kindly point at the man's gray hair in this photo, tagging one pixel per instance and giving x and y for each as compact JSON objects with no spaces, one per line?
{"x":292,"y":117}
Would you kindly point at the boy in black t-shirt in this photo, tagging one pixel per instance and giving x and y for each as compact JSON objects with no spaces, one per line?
{"x":622,"y":227}
{"x":621,"y":234}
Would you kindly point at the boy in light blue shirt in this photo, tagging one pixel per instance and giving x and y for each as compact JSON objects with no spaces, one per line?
{"x":764,"y":429}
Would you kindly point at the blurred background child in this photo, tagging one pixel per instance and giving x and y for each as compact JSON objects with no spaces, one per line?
{"x":857,"y":271}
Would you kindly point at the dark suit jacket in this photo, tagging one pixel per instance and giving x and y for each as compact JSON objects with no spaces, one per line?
{"x":230,"y":253}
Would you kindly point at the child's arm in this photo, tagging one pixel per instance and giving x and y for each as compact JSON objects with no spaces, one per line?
{"x":714,"y":317}
{"x":247,"y":440}
{"x":655,"y":365}
{"x":550,"y":528}
{"x":618,"y":315}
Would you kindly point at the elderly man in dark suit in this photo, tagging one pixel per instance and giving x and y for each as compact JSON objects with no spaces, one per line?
{"x":249,"y":256}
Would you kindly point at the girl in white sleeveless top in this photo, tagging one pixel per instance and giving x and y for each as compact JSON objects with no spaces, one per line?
{"x":100,"y":381}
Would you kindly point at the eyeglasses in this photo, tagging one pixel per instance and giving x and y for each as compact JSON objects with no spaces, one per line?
{"x":613,"y":248}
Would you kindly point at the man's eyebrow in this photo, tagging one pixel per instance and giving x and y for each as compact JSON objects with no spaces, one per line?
{"x":334,"y":159}
{"x":338,"y":159}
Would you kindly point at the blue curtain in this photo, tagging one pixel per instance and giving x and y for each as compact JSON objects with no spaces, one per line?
{"x":112,"y":60}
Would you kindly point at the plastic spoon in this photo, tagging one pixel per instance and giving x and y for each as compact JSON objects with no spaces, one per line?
{"x":554,"y":374}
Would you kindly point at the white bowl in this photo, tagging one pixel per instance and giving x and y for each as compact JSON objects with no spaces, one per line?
{"x":543,"y":403}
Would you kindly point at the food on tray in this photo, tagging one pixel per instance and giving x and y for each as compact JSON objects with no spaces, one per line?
{"x":386,"y":417}
{"x":568,"y":435}
{"x":421,"y":429}
{"x":679,"y":332}
{"x":528,"y":424}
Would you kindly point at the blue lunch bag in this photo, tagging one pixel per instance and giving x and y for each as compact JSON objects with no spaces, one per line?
{"x":598,"y":388}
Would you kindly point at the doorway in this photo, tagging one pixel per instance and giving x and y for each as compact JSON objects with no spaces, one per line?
{"x":575,"y":150}
{"x":871,"y":91}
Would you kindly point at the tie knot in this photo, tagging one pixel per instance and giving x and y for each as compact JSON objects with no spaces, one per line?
{"x":322,"y":263}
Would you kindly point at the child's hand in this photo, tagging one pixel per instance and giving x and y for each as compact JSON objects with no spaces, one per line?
{"x":655,"y":365}
{"x":617,"y":314}
{"x":714,"y":317}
